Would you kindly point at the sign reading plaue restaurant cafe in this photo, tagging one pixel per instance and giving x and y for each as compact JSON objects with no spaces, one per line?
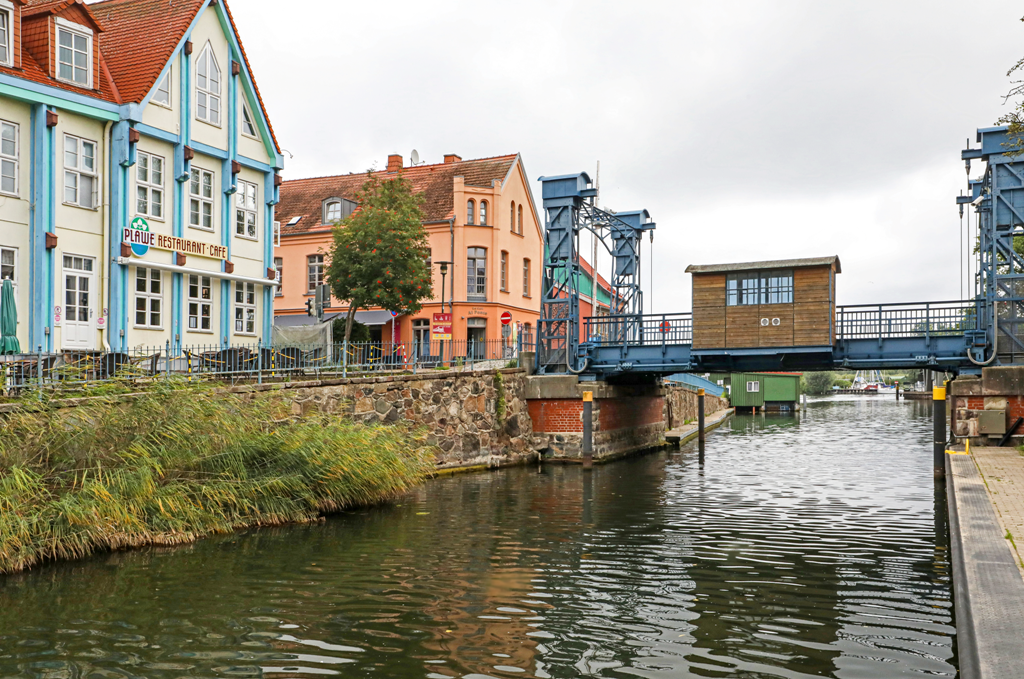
{"x":138,"y":235}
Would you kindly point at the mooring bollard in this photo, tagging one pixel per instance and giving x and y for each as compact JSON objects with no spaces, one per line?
{"x":588,"y":428}
{"x":700,"y":419}
{"x":939,"y":448}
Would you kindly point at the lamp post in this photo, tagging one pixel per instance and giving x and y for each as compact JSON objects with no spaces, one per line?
{"x":444,"y":272}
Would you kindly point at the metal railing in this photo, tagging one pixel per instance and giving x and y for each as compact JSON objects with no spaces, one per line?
{"x":80,"y":370}
{"x":887,"y":321}
{"x":646,"y":330}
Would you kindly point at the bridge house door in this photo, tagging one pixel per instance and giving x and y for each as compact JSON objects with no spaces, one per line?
{"x":79,"y":322}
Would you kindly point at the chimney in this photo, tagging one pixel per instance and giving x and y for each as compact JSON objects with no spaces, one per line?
{"x":452,"y":158}
{"x":395,"y":162}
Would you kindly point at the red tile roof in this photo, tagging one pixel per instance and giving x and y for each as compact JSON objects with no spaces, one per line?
{"x":304,"y":197}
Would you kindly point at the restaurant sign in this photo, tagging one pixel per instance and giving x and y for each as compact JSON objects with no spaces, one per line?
{"x":441,"y":327}
{"x":138,"y":235}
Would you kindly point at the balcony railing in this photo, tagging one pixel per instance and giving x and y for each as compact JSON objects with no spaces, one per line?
{"x":889,"y":321}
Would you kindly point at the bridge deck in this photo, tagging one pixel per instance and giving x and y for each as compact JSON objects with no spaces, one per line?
{"x":934,"y":335}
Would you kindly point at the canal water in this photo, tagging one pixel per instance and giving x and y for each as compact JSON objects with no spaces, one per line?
{"x":802,"y":546}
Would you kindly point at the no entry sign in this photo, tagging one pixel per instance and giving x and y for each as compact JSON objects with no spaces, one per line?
{"x":506,"y":317}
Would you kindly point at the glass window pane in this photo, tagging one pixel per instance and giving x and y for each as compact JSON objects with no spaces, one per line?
{"x":194,"y":186}
{"x":207,"y":185}
{"x":81,"y":43}
{"x":70,"y":152}
{"x":156,"y":204}
{"x":157,"y":165}
{"x":142,"y":202}
{"x":64,"y":38}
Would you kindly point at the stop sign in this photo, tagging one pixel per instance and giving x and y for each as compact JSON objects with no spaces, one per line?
{"x":506,"y":317}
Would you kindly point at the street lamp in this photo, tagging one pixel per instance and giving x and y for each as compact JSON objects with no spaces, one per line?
{"x":444,"y":272}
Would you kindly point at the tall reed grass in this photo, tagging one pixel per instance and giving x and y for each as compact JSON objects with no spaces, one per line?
{"x":174,"y":465}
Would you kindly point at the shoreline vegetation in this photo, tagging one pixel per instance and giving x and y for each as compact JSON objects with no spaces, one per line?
{"x":180,"y":463}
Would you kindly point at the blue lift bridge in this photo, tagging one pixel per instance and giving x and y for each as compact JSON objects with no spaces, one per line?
{"x":959,"y":336}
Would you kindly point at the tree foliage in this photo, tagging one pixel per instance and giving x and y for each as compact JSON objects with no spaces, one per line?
{"x":1014,"y":120}
{"x":818,"y":382}
{"x":379,"y":255}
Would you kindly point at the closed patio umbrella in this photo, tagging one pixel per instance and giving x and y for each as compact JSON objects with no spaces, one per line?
{"x":8,"y":320}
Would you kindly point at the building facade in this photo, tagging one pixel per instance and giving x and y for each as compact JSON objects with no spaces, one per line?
{"x":480,"y":217}
{"x":139,"y":176}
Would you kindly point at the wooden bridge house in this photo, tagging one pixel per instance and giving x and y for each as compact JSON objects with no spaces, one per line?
{"x":781,"y":303}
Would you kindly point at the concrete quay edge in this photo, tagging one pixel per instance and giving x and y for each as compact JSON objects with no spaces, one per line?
{"x":988,"y":591}
{"x":688,"y":433}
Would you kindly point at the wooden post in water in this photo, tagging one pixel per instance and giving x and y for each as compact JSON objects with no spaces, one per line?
{"x":939,"y":446}
{"x":588,"y":428}
{"x":700,"y":419}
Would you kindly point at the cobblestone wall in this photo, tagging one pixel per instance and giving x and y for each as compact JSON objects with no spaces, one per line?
{"x":681,"y":406}
{"x":460,"y":410}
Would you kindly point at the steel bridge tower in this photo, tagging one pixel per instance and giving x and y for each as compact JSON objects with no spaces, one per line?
{"x":569,"y":209}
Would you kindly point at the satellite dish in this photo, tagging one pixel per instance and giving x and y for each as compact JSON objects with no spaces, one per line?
{"x":415,"y":157}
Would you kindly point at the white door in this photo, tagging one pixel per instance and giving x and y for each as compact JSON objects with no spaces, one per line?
{"x":79,"y":331}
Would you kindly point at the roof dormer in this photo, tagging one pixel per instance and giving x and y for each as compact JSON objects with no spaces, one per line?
{"x":10,"y":33}
{"x":62,"y":38}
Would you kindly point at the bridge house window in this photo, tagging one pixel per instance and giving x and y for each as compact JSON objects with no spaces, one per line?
{"x":759,"y":287}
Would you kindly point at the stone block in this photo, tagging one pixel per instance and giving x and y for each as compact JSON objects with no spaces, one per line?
{"x":382,"y":406}
{"x":1003,"y":381}
{"x":551,"y":386}
{"x":995,"y":403}
{"x":966,"y":386}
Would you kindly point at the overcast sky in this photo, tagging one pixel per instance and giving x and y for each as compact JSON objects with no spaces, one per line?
{"x":750,"y":131}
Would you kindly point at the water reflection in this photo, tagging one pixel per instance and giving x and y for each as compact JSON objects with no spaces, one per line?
{"x":804,"y":545}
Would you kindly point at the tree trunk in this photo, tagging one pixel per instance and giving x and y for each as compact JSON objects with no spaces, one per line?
{"x":348,"y":321}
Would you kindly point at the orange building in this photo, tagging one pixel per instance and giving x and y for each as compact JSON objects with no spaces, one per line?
{"x":480,"y":216}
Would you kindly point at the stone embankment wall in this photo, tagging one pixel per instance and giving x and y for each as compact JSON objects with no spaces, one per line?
{"x":681,"y":406}
{"x":459,"y":410}
{"x":998,"y":389}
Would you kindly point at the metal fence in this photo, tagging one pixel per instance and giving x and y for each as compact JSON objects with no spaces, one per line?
{"x":885,"y":321}
{"x":650,"y":329}
{"x":250,"y":362}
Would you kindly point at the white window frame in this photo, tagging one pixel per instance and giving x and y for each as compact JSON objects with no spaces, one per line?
{"x":327,"y":211}
{"x":200,"y":199}
{"x":278,"y":276}
{"x":149,"y":297}
{"x":63,"y":25}
{"x":147,"y":185}
{"x":246,"y":209}
{"x":527,"y":265}
{"x":482,"y":215}
{"x":208,"y":92}
{"x":11,"y":159}
{"x":245,"y":308}
{"x":163,"y":88}
{"x":248,"y":119}
{"x":7,"y":10}
{"x":311,"y":283}
{"x":79,"y":170}
{"x":277,"y":234}
{"x":504,"y":270}
{"x":201,"y":283}
{"x":14,"y":266}
{"x":754,"y":387}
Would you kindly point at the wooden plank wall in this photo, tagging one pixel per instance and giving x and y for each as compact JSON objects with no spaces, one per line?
{"x":808,"y":321}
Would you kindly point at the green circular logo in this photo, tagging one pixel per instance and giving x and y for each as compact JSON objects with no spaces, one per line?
{"x":140,"y":244}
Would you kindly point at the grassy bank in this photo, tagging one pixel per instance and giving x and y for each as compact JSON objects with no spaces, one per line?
{"x":177,"y":464}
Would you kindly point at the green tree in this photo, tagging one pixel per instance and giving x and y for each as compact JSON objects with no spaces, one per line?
{"x":818,"y":382}
{"x":379,"y":255}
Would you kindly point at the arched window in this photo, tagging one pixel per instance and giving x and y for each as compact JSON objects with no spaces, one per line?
{"x":332,"y":211}
{"x":470,"y":209}
{"x":520,"y":220}
{"x":512,"y":218}
{"x":483,"y":213}
{"x":208,"y":87}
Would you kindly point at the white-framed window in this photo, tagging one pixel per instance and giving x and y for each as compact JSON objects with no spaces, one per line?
{"x":248,"y":123}
{"x":80,"y":181}
{"x":10,"y":142}
{"x":149,"y":185}
{"x":476,"y":274}
{"x":332,"y":211}
{"x":9,"y":265}
{"x":526,"y":278}
{"x":245,"y":210}
{"x":200,"y":210}
{"x":208,"y":87}
{"x":277,"y":234}
{"x":200,"y":303}
{"x":162,"y":95}
{"x":149,"y":298}
{"x":483,"y":213}
{"x":753,"y":387}
{"x":74,"y":53}
{"x":504,"y":271}
{"x":314,"y":272}
{"x":470,"y":209}
{"x":245,"y":308}
{"x":6,"y":52}
{"x":278,"y":276}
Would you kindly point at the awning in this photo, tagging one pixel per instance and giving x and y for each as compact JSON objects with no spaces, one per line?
{"x":364,"y":317}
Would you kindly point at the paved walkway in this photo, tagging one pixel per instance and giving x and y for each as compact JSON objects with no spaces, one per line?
{"x":1003,"y":472}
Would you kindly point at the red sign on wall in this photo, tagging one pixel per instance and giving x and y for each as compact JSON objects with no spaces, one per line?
{"x":441,"y":327}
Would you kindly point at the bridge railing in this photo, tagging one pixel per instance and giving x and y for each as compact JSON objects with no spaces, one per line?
{"x":886,"y":321}
{"x":646,"y":330}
